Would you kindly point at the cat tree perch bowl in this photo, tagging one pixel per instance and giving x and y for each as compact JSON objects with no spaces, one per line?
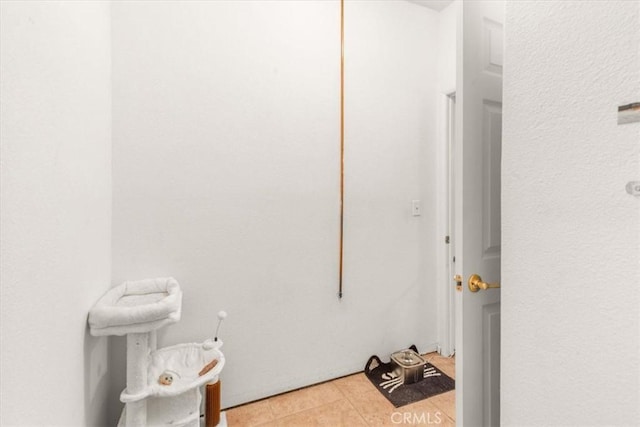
{"x":137,"y":307}
{"x":163,"y":385}
{"x":185,"y":361}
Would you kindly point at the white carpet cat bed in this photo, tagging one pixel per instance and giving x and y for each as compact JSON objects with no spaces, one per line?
{"x":172,"y":394}
{"x":183,"y":362}
{"x":135,"y":307}
{"x":163,"y":386}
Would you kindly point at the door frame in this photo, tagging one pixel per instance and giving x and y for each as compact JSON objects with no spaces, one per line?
{"x":445,"y":222}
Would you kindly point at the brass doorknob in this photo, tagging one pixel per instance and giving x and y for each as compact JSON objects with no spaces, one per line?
{"x":476,"y":283}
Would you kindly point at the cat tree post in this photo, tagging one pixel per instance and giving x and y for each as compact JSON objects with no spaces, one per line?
{"x":137,"y":353}
{"x":212,"y":396}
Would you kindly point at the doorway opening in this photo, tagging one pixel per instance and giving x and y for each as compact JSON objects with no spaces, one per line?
{"x":451,"y":217}
{"x":447,"y":214}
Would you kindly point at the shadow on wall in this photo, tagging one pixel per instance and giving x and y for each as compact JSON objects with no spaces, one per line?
{"x":96,"y":380}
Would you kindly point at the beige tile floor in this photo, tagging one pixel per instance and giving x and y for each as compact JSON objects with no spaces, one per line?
{"x":348,"y":402}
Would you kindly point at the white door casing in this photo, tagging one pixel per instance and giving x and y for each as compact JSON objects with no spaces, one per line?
{"x":478,"y":157}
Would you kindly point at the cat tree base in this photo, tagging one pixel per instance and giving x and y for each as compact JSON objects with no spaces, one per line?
{"x":201,"y":423}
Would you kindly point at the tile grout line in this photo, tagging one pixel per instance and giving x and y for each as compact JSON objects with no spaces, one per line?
{"x":353,"y":406}
{"x":313,"y":406}
{"x":273,"y":415}
{"x":442,"y":409}
{"x":362,"y":416}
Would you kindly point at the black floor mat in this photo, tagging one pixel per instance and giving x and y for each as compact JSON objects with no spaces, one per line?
{"x":381,"y":375}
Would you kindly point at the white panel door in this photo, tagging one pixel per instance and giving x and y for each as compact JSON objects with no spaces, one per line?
{"x":478,"y":144}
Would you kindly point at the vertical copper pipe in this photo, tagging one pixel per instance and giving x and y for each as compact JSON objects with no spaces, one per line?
{"x":341,"y":142}
{"x":212,"y":405}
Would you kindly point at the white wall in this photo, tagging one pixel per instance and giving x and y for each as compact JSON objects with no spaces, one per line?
{"x":56,"y":210}
{"x":571,"y":234}
{"x":447,"y":44}
{"x":226,"y":176}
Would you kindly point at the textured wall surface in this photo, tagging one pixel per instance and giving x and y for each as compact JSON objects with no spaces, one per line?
{"x":56,"y":210}
{"x":571,"y":234}
{"x":226,"y":176}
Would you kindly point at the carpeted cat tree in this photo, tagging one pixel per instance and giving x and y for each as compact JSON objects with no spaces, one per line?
{"x":163,"y":385}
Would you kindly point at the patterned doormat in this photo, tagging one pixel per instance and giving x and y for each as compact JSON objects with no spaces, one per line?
{"x":382,"y":376}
